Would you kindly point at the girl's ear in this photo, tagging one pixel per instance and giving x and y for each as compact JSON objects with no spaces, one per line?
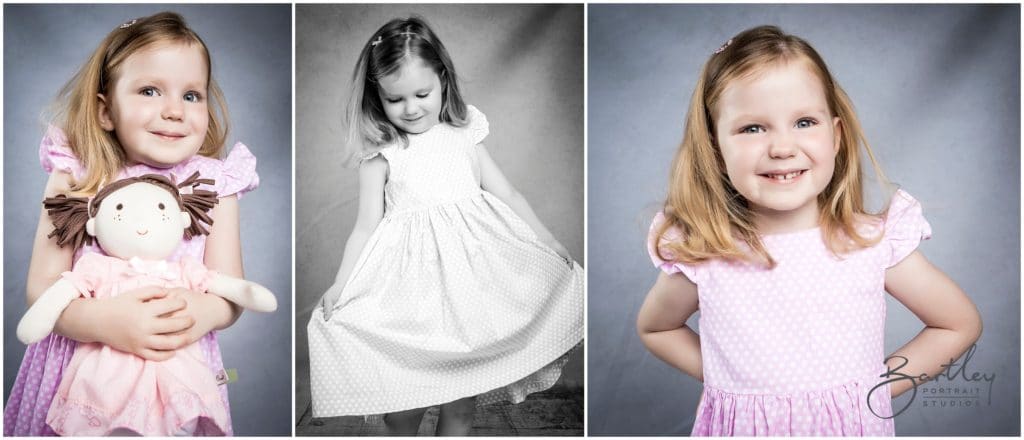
{"x":186,"y":220}
{"x":103,"y":113}
{"x":837,"y":128}
{"x":90,"y":227}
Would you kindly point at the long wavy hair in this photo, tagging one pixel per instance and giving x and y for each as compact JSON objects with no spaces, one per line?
{"x":399,"y":41}
{"x":713,"y":217}
{"x":77,"y":106}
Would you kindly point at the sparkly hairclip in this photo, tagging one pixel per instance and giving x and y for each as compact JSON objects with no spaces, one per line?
{"x":722,"y":49}
{"x":380,"y":38}
{"x":128,"y":24}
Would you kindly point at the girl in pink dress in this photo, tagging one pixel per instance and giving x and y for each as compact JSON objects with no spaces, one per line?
{"x":144,"y":102}
{"x":765,"y":231}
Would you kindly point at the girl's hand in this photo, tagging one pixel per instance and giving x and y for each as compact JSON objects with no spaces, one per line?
{"x":141,"y":322}
{"x":208,"y":312}
{"x":562,"y":252}
{"x":330,"y":298}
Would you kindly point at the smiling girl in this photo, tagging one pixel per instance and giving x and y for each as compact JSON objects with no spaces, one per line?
{"x":765,"y":231}
{"x":144,"y":102}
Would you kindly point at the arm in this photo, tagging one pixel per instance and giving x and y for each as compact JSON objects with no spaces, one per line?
{"x":494,"y":182}
{"x":223,"y":254}
{"x":372,"y":176}
{"x":662,"y":327}
{"x":952,"y":322}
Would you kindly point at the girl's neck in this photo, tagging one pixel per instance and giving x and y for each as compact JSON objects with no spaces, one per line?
{"x":771,"y":222}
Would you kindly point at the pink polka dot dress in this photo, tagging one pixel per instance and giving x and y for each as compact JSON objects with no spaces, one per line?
{"x":798,"y":349}
{"x":45,"y":361}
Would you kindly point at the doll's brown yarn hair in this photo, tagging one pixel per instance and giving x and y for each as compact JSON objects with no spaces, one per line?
{"x":70,"y":214}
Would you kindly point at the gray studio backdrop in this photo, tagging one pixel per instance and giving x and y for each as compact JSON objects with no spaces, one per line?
{"x":937,"y":89}
{"x":522,"y":65}
{"x":251,"y":48}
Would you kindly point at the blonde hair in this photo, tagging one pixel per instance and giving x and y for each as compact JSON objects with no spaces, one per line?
{"x":394,"y":44}
{"x":702,"y":202}
{"x":78,"y":104}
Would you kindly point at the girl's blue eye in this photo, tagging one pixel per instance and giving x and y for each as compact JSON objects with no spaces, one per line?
{"x":393,"y":101}
{"x":193,"y":97}
{"x":148,"y":91}
{"x":423,"y":95}
{"x":806,"y":122}
{"x":752,"y":129}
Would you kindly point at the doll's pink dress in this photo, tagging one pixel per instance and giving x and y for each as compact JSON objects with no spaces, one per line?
{"x":798,"y":349}
{"x":104,"y":389}
{"x":44,"y":362}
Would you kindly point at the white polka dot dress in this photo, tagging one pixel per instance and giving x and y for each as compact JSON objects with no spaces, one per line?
{"x":452,"y":296}
{"x":798,"y":349}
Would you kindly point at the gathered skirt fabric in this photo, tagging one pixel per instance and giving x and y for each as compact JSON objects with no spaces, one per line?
{"x":455,"y":300}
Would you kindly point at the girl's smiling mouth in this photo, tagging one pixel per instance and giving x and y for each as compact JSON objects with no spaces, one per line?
{"x":783,"y":176}
{"x":167,"y":135}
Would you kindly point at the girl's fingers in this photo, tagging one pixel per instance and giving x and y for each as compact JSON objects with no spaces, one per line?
{"x":149,"y":293}
{"x":156,"y":355}
{"x":171,"y":342}
{"x":165,"y":306}
{"x":173,"y":324}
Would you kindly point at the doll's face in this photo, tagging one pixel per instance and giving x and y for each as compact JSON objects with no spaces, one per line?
{"x":140,"y":220}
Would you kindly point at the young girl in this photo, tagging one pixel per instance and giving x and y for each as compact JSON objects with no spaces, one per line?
{"x":144,"y":102}
{"x":450,"y":291}
{"x":765,"y":231}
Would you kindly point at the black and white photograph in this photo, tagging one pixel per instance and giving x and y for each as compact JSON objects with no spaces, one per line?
{"x":439,"y":220}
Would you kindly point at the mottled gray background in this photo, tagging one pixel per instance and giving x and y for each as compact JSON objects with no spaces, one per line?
{"x":44,"y":45}
{"x":937,"y":89}
{"x":522,"y":65}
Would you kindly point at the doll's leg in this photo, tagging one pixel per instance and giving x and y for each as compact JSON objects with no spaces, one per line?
{"x":404,"y":422}
{"x":456,"y":417}
{"x":247,"y":294}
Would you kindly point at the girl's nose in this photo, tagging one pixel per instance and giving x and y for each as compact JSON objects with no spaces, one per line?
{"x":409,"y":109}
{"x":173,"y":109}
{"x":783,"y":146}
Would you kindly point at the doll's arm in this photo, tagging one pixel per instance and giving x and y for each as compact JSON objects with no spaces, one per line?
{"x":493,"y":181}
{"x":662,"y":327}
{"x":372,"y":176}
{"x":244,"y":293}
{"x":42,"y":316}
{"x":952,"y":322}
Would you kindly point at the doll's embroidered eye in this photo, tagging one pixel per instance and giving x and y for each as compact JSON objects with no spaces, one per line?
{"x":119,"y":206}
{"x":161,"y":205}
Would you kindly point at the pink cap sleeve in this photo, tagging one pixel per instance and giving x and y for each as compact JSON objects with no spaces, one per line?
{"x":238,"y":172}
{"x":668,"y":266}
{"x":54,"y":153}
{"x":905,"y":226}
{"x":478,"y":126}
{"x":89,"y":272}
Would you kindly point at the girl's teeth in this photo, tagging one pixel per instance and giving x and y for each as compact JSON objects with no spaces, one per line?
{"x":785,"y":176}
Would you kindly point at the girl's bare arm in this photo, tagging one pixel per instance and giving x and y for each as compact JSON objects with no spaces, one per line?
{"x":372,"y":176}
{"x":662,"y":327}
{"x":493,"y":181}
{"x":952,"y":322}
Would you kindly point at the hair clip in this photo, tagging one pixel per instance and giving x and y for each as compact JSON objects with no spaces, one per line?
{"x":128,"y":24}
{"x":377,"y":41}
{"x":722,"y":49}
{"x":408,"y":33}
